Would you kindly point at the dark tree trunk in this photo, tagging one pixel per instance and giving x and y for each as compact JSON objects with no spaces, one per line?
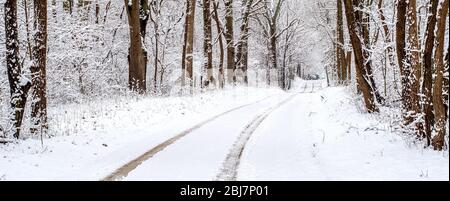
{"x":38,"y":69}
{"x":207,"y":45}
{"x":340,"y":53}
{"x":438,"y":99}
{"x":242,"y":53}
{"x":18,"y":84}
{"x":137,"y":57}
{"x":354,"y":23}
{"x":428,"y":72}
{"x":188,"y":48}
{"x":229,"y":36}
{"x":221,"y":76}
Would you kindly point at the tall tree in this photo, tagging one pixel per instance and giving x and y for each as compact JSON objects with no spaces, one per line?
{"x":428,"y":71}
{"x":138,"y":12}
{"x":271,"y":13}
{"x":364,"y":25}
{"x":220,"y":33}
{"x":355,"y":31}
{"x":229,"y":36}
{"x":38,"y":69}
{"x":413,"y":58}
{"x":405,"y":70}
{"x":242,"y":52}
{"x":438,"y":99}
{"x":18,"y":84}
{"x":340,"y":53}
{"x":188,"y":47}
{"x":207,"y":44}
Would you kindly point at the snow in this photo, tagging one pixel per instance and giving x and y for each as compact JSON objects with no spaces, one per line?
{"x":198,"y":155}
{"x":314,"y":136}
{"x":322,"y":136}
{"x":94,"y":139}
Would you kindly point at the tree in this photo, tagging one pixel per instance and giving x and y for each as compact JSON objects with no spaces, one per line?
{"x":242,"y":47}
{"x":438,"y":99}
{"x":207,"y":44}
{"x":364,"y":24}
{"x":229,"y":37}
{"x":405,"y":70}
{"x":188,"y":47}
{"x":138,"y":12}
{"x":220,"y":33}
{"x":413,"y":58}
{"x":18,"y":84}
{"x":354,"y":27}
{"x":428,"y":71}
{"x":390,"y":57}
{"x":272,"y":32}
{"x":38,"y":69}
{"x":340,"y":53}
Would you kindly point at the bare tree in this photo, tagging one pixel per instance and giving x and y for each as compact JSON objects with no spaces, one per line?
{"x":38,"y":69}
{"x":428,"y":71}
{"x":354,"y":23}
{"x":138,"y":14}
{"x":18,"y":84}
{"x":229,"y":36}
{"x":413,"y":58}
{"x":207,"y":43}
{"x":340,"y":53}
{"x":188,"y":47}
{"x":271,"y":15}
{"x":220,"y":31}
{"x":242,"y":46}
{"x":438,"y":99}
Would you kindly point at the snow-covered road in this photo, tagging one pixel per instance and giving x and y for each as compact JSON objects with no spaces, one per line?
{"x":198,"y":155}
{"x":320,"y":137}
{"x":310,"y":133}
{"x":307,"y":135}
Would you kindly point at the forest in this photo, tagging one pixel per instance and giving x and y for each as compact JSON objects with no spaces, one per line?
{"x":76,"y":72}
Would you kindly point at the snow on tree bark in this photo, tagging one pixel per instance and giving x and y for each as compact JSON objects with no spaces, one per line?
{"x":38,"y":69}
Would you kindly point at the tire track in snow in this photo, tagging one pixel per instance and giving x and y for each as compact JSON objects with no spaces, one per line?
{"x":230,"y":166}
{"x":124,"y":170}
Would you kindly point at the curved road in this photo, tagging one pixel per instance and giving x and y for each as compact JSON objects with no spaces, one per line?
{"x":210,"y":150}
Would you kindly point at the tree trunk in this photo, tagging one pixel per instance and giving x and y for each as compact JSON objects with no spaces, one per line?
{"x":367,"y":53}
{"x":242,"y":54}
{"x":273,"y":64}
{"x":137,"y":56}
{"x":438,"y":101}
{"x":229,"y":36}
{"x":155,"y":73}
{"x":428,"y":71}
{"x":361,"y":73}
{"x":349,"y":65}
{"x":405,"y":70}
{"x":221,"y":76}
{"x":340,"y":53}
{"x":188,"y":48}
{"x":413,"y":58}
{"x":400,"y":26}
{"x":207,"y":45}
{"x":18,"y":84}
{"x":38,"y":69}
{"x":446,"y":83}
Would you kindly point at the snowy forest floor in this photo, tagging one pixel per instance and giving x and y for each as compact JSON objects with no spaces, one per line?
{"x":309,"y":133}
